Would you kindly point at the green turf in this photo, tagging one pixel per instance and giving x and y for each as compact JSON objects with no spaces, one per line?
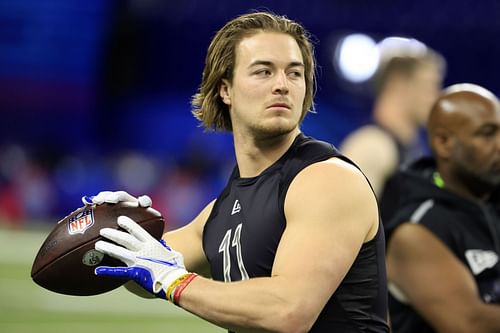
{"x":40,"y":321}
{"x":26,"y":307}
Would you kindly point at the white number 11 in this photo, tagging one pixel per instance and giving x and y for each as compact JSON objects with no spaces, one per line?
{"x":226,"y":256}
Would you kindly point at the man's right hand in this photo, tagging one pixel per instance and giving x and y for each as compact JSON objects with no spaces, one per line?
{"x":152,"y":264}
{"x":115,"y":197}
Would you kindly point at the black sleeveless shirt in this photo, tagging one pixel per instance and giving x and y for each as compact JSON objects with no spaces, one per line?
{"x":243,"y":231}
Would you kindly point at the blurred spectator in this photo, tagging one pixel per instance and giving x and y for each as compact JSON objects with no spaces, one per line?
{"x":406,"y":84}
{"x":12,"y":158}
{"x":444,"y":240}
{"x":23,"y":181}
{"x":180,"y":185}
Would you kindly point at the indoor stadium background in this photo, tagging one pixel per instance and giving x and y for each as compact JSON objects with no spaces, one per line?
{"x":95,"y":95}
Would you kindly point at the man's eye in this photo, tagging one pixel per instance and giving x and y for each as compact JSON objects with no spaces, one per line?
{"x":263,"y":72}
{"x":488,"y":131}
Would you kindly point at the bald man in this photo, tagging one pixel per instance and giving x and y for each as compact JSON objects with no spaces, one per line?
{"x":443,"y":244}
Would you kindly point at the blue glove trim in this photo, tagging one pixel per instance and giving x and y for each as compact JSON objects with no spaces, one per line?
{"x":88,"y":200}
{"x":140,"y":275}
{"x":158,"y":261}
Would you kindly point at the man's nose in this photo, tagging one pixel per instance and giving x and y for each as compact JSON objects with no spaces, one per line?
{"x":280,"y":84}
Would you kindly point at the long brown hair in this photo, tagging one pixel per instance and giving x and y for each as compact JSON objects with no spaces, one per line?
{"x":207,"y":105}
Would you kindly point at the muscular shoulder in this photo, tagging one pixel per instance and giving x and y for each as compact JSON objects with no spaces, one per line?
{"x":332,"y":171}
{"x":333,"y":190}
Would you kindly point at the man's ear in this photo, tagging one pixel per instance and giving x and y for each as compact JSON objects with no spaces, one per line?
{"x":224,"y":92}
{"x":442,"y":141}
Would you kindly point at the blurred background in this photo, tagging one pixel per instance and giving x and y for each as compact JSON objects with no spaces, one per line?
{"x":94,"y":94}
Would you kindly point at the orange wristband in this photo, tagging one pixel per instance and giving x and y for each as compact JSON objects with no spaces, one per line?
{"x":181,"y":286}
{"x":169,"y":294}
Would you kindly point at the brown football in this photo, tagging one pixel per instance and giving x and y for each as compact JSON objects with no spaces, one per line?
{"x":66,"y":260}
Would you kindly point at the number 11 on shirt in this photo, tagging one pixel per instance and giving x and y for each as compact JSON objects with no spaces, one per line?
{"x":226,"y":259}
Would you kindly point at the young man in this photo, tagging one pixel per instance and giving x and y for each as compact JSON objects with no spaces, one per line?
{"x":406,"y":85}
{"x":444,"y":241}
{"x":294,"y":242}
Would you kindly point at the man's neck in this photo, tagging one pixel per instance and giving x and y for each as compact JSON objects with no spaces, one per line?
{"x":256,"y":155}
{"x":471,"y":189}
{"x":389,"y":113}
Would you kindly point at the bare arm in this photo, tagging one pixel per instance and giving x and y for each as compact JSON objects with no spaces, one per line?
{"x":437,"y":284}
{"x":374,"y":152}
{"x":188,"y":241}
{"x":325,"y":230}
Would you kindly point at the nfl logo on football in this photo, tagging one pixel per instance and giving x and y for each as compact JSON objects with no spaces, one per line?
{"x":79,"y":223}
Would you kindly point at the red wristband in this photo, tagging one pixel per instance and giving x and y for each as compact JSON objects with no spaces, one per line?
{"x":180,"y":288}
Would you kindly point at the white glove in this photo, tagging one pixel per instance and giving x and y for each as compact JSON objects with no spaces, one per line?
{"x":115,"y":197}
{"x":151,"y":263}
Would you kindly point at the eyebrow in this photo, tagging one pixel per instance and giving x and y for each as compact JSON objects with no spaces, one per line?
{"x":270,"y":63}
{"x":487,"y":126}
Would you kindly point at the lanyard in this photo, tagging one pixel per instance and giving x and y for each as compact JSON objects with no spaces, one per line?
{"x":438,"y":181}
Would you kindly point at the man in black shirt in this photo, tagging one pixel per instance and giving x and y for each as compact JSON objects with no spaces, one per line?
{"x":294,"y":242}
{"x":444,"y":241}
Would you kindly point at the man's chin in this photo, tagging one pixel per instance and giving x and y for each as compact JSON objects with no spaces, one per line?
{"x":273,"y":132}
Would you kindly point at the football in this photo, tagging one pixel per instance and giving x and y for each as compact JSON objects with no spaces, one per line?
{"x":66,"y":260}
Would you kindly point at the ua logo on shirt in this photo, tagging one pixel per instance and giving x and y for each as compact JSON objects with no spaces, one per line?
{"x":479,"y":260}
{"x":236,"y":207}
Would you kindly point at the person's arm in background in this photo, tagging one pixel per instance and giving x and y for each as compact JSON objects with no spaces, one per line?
{"x":374,"y":152}
{"x":437,"y":284}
